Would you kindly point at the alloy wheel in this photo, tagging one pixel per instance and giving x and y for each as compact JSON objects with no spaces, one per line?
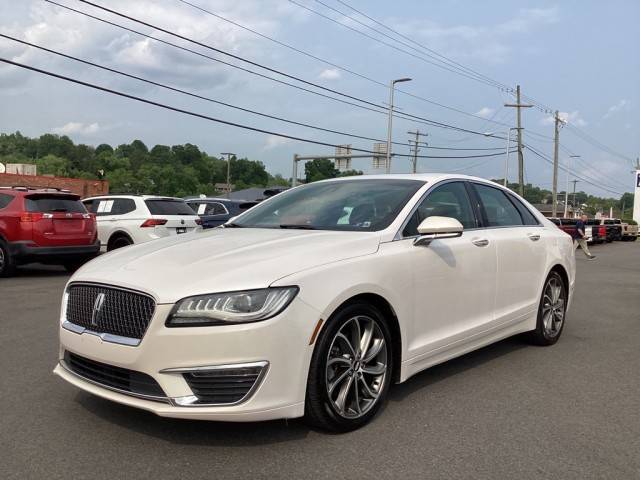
{"x":356,"y":368}
{"x":553,"y":307}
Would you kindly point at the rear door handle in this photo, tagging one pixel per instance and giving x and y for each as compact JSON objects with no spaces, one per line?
{"x":534,"y":237}
{"x":480,"y":242}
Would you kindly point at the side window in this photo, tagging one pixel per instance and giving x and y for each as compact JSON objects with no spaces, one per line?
{"x":104,"y":207}
{"x":499,"y":210}
{"x":216,"y":209}
{"x":527,"y":217}
{"x":448,"y":200}
{"x":91,"y":205}
{"x":5,"y":200}
{"x":122,"y":206}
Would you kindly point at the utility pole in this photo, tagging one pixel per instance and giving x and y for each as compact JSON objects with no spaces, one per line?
{"x":415,"y":148}
{"x":518,"y":106}
{"x":556,"y":144}
{"x":228,"y":154}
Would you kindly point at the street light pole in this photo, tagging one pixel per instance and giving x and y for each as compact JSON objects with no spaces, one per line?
{"x":506,"y":159}
{"x":228,"y":154}
{"x":390,"y":120}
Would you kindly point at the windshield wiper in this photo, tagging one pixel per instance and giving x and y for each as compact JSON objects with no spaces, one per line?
{"x":299,"y":226}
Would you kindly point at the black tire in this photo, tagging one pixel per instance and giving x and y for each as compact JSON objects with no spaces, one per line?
{"x":543,"y":335}
{"x":7,"y":263}
{"x":119,"y":241}
{"x":634,"y":239}
{"x":320,"y":409}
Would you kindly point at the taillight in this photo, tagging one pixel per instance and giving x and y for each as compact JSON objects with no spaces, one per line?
{"x":153,"y":222}
{"x":198,"y":221}
{"x":30,"y":217}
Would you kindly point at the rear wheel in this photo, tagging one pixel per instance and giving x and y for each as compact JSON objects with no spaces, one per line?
{"x":551,"y":312}
{"x":7,"y":266}
{"x":119,"y":242}
{"x":350,"y":371}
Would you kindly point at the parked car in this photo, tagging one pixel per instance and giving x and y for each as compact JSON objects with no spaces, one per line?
{"x":629,"y":230}
{"x":127,"y":219}
{"x":594,"y":232}
{"x":613,"y":227}
{"x":314,"y":302}
{"x":45,"y":226}
{"x":215,"y":211}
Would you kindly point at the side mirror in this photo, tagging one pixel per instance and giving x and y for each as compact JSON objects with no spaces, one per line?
{"x":433,"y":228}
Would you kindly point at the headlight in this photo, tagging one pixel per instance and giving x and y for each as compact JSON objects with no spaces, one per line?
{"x":231,"y":307}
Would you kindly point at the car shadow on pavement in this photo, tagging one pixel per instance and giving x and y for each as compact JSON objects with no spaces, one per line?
{"x":448,"y":369}
{"x":194,"y":432}
{"x":36,"y":270}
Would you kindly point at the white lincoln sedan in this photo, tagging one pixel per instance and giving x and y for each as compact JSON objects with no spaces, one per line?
{"x":314,"y":302}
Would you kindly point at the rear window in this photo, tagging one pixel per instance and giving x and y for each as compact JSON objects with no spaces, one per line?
{"x":168,"y":207}
{"x":54,"y":203}
{"x":5,"y":200}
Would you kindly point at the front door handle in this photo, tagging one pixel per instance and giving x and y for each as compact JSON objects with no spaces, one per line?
{"x":534,"y":237}
{"x":480,"y":242}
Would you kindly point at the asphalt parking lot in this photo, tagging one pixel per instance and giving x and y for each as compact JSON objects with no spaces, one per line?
{"x":507,"y":411}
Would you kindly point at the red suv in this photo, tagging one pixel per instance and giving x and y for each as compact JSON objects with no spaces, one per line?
{"x":46,"y":226}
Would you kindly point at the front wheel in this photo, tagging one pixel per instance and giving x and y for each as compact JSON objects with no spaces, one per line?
{"x":350,"y":371}
{"x":551,"y":311}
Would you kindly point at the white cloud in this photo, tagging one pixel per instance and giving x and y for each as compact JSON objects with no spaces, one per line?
{"x":489,"y":44}
{"x":77,"y":128}
{"x":485,"y":112}
{"x":330,"y":74}
{"x":622,"y":105}
{"x":573,"y":118}
{"x":273,"y":141}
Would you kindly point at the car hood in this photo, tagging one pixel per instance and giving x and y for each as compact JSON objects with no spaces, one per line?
{"x":223,"y":259}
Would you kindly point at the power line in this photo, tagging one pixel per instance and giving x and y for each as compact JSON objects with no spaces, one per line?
{"x":453,"y":62}
{"x":201,"y":97}
{"x":202,"y":116}
{"x":397,"y":114}
{"x":482,"y":78}
{"x":328,"y":62}
{"x":375,"y":39}
{"x":548,"y":160}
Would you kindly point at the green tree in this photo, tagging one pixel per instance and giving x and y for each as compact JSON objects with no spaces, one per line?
{"x":320,"y":169}
{"x":350,"y":173}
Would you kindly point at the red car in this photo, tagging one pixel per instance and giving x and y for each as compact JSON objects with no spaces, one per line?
{"x":44,"y":226}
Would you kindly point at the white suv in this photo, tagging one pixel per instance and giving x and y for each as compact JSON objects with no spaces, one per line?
{"x":127,"y":219}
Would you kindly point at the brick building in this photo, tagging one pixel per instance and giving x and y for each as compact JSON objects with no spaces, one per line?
{"x":82,"y":187}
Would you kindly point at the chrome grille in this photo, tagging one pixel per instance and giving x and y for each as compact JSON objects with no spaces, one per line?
{"x":123,"y":312}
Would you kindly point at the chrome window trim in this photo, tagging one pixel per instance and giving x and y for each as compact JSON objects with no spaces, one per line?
{"x":190,"y":400}
{"x":399,"y":236}
{"x":114,"y":389}
{"x":511,"y":197}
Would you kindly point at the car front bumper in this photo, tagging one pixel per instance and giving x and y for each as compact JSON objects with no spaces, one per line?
{"x":283,"y":342}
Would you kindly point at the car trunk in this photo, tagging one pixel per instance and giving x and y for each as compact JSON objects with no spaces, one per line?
{"x":172,"y":215}
{"x":58,"y":220}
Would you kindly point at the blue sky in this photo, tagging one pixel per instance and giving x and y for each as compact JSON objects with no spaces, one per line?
{"x":580,"y":57}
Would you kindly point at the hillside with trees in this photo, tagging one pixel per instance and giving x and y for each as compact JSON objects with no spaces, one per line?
{"x":182,"y":170}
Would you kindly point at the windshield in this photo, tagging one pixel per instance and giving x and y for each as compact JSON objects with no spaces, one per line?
{"x":167,"y":206}
{"x":352,"y":205}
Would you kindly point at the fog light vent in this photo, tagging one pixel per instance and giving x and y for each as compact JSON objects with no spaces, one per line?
{"x":225,"y":385}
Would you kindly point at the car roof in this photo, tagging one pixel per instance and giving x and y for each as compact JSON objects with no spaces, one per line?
{"x":424,"y":177}
{"x":143,"y":197}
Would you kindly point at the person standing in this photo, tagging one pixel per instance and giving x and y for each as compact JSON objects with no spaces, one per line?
{"x":579,"y":237}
